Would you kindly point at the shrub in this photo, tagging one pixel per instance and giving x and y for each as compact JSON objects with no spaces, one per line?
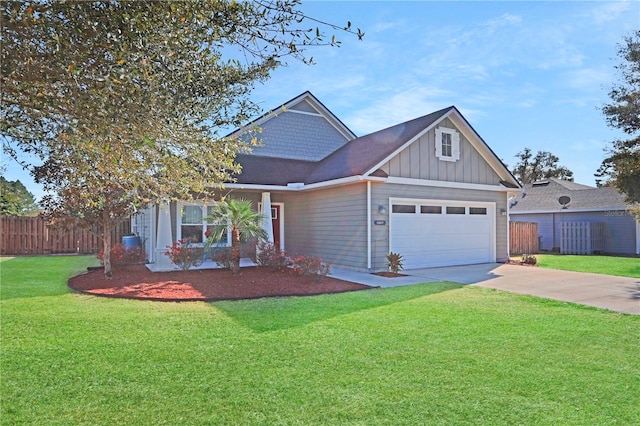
{"x":310,"y":267}
{"x":394,"y":262}
{"x":183,"y":255}
{"x":529,"y":259}
{"x":268,"y":255}
{"x":224,"y":258}
{"x":121,"y":256}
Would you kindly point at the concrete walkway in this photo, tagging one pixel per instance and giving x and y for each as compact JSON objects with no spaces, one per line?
{"x":618,"y":294}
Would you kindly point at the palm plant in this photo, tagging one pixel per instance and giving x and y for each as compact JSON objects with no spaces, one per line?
{"x":244,"y":222}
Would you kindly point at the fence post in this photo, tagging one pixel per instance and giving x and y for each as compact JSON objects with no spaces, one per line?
{"x":523,"y":238}
{"x":32,"y":235}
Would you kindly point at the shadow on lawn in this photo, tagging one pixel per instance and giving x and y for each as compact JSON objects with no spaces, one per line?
{"x":271,"y":314}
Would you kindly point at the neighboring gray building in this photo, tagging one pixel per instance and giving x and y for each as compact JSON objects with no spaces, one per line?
{"x":430,"y":189}
{"x":554,"y":203}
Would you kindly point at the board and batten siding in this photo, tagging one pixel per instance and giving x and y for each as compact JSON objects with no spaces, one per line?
{"x":619,"y":228}
{"x":380,"y":194}
{"x":418,"y":161}
{"x":329,"y":223}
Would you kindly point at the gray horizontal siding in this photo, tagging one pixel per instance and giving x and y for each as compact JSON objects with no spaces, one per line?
{"x":619,"y":228}
{"x":380,"y":194}
{"x":330,"y":224}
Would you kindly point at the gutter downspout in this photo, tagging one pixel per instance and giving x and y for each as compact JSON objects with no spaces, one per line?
{"x":508,"y":228}
{"x":369,"y":225}
{"x":638,"y":236}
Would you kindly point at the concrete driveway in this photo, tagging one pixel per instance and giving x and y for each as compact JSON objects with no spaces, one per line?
{"x":620,"y":294}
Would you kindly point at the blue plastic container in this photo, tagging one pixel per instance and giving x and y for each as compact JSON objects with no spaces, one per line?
{"x":131,"y":241}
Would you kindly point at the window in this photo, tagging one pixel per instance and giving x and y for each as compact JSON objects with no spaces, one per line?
{"x":431,"y":209}
{"x":447,"y":149}
{"x":478,"y":210}
{"x":447,"y":144}
{"x":193,"y":224}
{"x":455,"y":210}
{"x":403,"y":208}
{"x":224,"y":239}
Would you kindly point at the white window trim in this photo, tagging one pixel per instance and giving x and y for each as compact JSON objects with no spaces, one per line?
{"x":204,"y":207}
{"x":455,"y":144}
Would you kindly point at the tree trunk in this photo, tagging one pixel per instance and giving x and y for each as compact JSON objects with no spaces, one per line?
{"x":106,"y":238}
{"x":235,"y":249}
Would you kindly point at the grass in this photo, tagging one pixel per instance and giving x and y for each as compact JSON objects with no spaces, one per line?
{"x":608,"y":265}
{"x":426,"y":354}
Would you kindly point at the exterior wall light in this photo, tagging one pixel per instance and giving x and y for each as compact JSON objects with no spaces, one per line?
{"x":382,"y":209}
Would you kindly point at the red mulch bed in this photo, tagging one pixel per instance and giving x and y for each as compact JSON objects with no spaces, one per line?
{"x":137,"y":282}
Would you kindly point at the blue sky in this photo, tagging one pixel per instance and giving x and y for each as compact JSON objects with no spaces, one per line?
{"x":525,"y":74}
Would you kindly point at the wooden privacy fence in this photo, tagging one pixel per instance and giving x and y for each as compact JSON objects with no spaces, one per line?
{"x":32,"y":235}
{"x":523,"y":238}
{"x":582,"y":238}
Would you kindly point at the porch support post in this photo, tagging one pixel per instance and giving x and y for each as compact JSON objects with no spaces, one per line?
{"x":267,"y":219}
{"x":163,"y":238}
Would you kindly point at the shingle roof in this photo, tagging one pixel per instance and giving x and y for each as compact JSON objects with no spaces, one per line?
{"x":354,"y":158}
{"x":543,"y":196}
{"x":261,"y":170}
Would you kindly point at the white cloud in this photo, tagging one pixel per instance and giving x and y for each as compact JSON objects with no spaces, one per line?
{"x":588,"y":79}
{"x":526,"y":103}
{"x":504,"y":20}
{"x":388,"y":109}
{"x":384,"y":26}
{"x":609,"y":11}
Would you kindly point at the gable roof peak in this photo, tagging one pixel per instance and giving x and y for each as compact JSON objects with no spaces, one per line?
{"x":289,"y":105}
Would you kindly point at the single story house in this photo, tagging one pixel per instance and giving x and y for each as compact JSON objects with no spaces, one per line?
{"x":562,"y":208}
{"x":430,"y":189}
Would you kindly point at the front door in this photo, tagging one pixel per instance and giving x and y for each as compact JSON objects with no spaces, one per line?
{"x":275,"y":218}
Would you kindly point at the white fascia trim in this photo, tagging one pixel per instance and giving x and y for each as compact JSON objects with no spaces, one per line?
{"x":313,"y":114}
{"x":319,"y":185}
{"x":330,"y":117}
{"x":259,"y":187}
{"x":481,"y":146}
{"x":445,"y":184}
{"x":409,"y":142}
{"x":468,"y":132}
{"x":569,"y":210}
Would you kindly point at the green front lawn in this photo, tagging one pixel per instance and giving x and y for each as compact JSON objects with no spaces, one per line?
{"x":425,"y":354}
{"x":608,"y":265}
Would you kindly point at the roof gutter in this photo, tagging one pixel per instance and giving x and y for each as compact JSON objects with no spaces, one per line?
{"x":299,"y":186}
{"x":570,"y":210}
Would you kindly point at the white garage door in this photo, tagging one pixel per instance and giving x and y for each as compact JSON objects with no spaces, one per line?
{"x":430,"y":233}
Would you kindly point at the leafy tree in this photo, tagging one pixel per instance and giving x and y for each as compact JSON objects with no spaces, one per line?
{"x":16,"y":200}
{"x":245,"y":224}
{"x":124,"y":102}
{"x":543,"y":165}
{"x":621,"y":168}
